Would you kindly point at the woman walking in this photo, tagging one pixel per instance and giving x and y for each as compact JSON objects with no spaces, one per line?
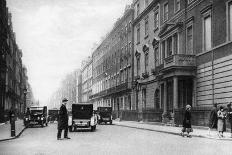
{"x":213,"y":119}
{"x":221,"y":121}
{"x":187,"y":122}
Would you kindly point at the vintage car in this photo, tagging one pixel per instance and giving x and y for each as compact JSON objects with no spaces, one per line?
{"x":53,"y":115}
{"x":104,"y":115}
{"x":82,"y":117}
{"x":36,"y":116}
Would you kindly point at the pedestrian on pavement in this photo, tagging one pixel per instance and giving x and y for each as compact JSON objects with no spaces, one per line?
{"x":213,"y":118}
{"x":221,"y":121}
{"x":187,"y":122}
{"x":28,"y":112}
{"x":63,"y":120}
{"x":229,"y":116}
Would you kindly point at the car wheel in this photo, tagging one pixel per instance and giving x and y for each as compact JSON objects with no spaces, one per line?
{"x":110,"y":122}
{"x":42,"y":125}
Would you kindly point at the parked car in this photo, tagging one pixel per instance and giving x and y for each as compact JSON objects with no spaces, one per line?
{"x":53,"y":115}
{"x":104,"y":114}
{"x":83,"y":117}
{"x":36,"y":116}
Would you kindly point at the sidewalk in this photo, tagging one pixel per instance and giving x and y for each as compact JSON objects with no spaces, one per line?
{"x":159,"y":127}
{"x":5,"y":130}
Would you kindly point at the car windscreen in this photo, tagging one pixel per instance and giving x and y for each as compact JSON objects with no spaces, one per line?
{"x":53,"y":112}
{"x":38,"y":112}
{"x":82,"y":111}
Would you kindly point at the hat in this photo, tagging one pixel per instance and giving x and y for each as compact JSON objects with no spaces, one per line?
{"x":188,"y":106}
{"x":64,"y":100}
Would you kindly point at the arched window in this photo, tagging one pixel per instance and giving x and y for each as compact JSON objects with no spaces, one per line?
{"x":157,"y":99}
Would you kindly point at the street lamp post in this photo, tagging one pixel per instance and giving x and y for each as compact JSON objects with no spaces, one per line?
{"x":25,"y":99}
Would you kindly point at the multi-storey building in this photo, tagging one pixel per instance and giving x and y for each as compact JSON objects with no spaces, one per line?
{"x":112,"y":66}
{"x":147,"y":88}
{"x":182,"y":56}
{"x":13,"y":79}
{"x":86,"y":80}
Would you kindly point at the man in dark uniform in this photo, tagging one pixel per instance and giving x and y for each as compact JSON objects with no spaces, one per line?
{"x":63,"y":120}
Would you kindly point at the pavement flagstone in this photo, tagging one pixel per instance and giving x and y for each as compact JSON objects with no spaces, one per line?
{"x":159,"y":127}
{"x":5,"y":130}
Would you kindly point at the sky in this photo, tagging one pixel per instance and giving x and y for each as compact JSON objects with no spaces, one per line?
{"x":56,"y":35}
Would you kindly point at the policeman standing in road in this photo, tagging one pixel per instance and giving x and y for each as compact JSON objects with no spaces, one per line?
{"x":63,"y":120}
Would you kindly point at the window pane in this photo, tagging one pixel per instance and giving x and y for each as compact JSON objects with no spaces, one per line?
{"x":169,"y":48}
{"x":190,"y":40}
{"x":166,"y":11}
{"x":230,"y":22}
{"x":175,"y":44}
{"x":156,"y":19}
{"x":138,"y":34}
{"x":208,"y":33}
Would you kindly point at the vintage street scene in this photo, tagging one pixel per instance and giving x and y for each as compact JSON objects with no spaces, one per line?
{"x":120,"y":77}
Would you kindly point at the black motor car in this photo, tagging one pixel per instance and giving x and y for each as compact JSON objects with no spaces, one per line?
{"x":53,"y":115}
{"x":104,"y":114}
{"x":36,"y":116}
{"x":83,"y":117}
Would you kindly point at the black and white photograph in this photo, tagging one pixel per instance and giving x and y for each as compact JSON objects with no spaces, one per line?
{"x":115,"y":77}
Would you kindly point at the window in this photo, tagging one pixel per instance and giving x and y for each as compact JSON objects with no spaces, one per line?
{"x":190,"y":40}
{"x":130,"y":26}
{"x":126,"y":28}
{"x":165,"y":11}
{"x":156,"y":54}
{"x":156,"y":19}
{"x":169,"y":46}
{"x":138,"y":9}
{"x":175,"y":44}
{"x":163,"y":51}
{"x":138,"y":34}
{"x":230,"y":20}
{"x":146,"y":61}
{"x":146,"y":27}
{"x":138,"y":66}
{"x":207,"y":33}
{"x":177,"y":5}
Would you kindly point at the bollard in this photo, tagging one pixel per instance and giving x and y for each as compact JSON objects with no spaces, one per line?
{"x":12,"y":125}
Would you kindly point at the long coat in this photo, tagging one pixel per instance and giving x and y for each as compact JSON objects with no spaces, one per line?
{"x":229,"y":115}
{"x":187,"y":120}
{"x":221,"y":121}
{"x":63,"y":118}
{"x":213,"y":119}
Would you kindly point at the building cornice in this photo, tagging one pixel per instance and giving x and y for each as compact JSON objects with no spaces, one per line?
{"x":145,"y":12}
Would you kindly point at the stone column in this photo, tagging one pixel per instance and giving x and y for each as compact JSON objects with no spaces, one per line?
{"x":165,"y":98}
{"x":175,"y":92}
{"x":164,"y":118}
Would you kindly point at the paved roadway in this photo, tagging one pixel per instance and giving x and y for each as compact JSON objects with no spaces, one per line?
{"x":111,"y":139}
